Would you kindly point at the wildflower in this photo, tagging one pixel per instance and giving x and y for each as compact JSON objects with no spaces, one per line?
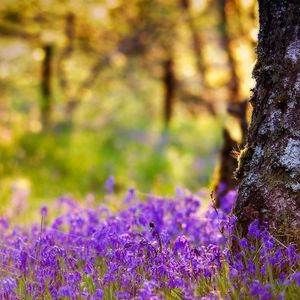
{"x":233,"y":273}
{"x":44,"y":211}
{"x":89,"y":252}
{"x":147,"y":290}
{"x":281,"y":296}
{"x":259,"y":291}
{"x":268,"y":242}
{"x":254,"y":231}
{"x":109,"y":184}
{"x":228,"y":201}
{"x":292,"y":254}
{"x":181,"y":243}
{"x":8,"y":285}
{"x":65,"y":291}
{"x":4,"y":223}
{"x":123,"y":295}
{"x":156,"y":235}
{"x":250,"y":268}
{"x":296,"y":277}
{"x":243,"y":243}
{"x":130,"y":196}
{"x":98,"y":295}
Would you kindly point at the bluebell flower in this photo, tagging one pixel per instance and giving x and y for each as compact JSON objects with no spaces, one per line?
{"x":65,"y":291}
{"x":296,"y":277}
{"x":109,"y":184}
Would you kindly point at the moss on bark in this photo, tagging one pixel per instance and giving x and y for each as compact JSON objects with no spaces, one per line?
{"x":269,"y":170}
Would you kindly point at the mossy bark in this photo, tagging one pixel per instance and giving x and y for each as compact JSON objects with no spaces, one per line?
{"x":269,"y":186}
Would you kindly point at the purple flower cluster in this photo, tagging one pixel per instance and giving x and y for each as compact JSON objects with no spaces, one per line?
{"x":155,"y":249}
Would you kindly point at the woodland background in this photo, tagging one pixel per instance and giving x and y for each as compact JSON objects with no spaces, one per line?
{"x":138,"y":89}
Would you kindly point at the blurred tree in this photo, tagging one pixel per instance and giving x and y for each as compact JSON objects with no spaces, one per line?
{"x":269,"y":165}
{"x":197,"y":40}
{"x":169,"y":81}
{"x":66,"y":51}
{"x":89,"y":38}
{"x":235,"y":107}
{"x":46,"y":86}
{"x":200,"y":99}
{"x":110,"y":61}
{"x":233,"y":83}
{"x":144,"y":30}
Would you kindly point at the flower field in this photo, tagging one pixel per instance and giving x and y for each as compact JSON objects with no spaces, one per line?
{"x":153,"y":249}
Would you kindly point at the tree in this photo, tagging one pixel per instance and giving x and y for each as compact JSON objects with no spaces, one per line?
{"x":46,"y":88}
{"x":169,"y":81}
{"x":269,"y":165}
{"x":236,"y":107}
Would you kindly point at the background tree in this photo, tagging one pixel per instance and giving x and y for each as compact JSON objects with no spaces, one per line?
{"x":46,"y":86}
{"x":269,"y":165}
{"x":229,"y":14}
{"x":169,"y":81}
{"x":108,"y":92}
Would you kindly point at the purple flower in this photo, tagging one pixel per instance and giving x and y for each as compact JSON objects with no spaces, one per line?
{"x":130,"y":196}
{"x":233,"y":273}
{"x":68,"y":201}
{"x":65,"y":291}
{"x":254,"y":231}
{"x":243,"y":243}
{"x":4,"y":223}
{"x":296,"y":277}
{"x":250,"y":268}
{"x":147,"y":290}
{"x":156,"y":235}
{"x":98,"y":295}
{"x":88,"y":252}
{"x":109,"y":184}
{"x":260,"y":291}
{"x":281,"y":296}
{"x":222,"y":187}
{"x":228,"y":201}
{"x":44,"y":211}
{"x":292,"y":254}
{"x":123,"y":295}
{"x":8,"y":285}
{"x":181,"y":244}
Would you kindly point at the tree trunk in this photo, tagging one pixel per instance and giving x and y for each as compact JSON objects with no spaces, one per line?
{"x":235,"y":107}
{"x":196,"y":40}
{"x":225,"y":177}
{"x":234,"y":84}
{"x":169,"y":87}
{"x":46,"y":89}
{"x":269,"y":165}
{"x":66,"y":52}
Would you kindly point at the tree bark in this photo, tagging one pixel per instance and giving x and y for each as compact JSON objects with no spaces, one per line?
{"x":269,"y":165}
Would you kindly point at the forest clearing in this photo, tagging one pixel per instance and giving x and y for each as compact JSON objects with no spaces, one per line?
{"x":150,"y":149}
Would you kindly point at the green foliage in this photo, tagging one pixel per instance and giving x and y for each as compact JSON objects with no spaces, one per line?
{"x":81,"y":160}
{"x":108,"y":62}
